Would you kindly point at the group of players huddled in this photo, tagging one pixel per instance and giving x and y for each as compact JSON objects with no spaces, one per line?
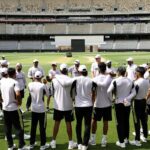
{"x":125,"y":88}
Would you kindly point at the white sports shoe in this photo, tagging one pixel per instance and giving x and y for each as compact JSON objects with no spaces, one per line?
{"x":79,"y":146}
{"x":32,"y":146}
{"x":135,"y":142}
{"x":1,"y":113}
{"x":53,"y":144}
{"x":126,"y":141}
{"x":46,"y":146}
{"x":122,"y":145}
{"x":92,"y":142}
{"x":26,"y":136}
{"x":11,"y":148}
{"x":143,"y":139}
{"x":104,"y":142}
{"x":84,"y":147}
{"x":72,"y":145}
{"x":24,"y":148}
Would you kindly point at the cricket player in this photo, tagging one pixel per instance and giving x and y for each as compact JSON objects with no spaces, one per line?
{"x":31,"y":75}
{"x":74,"y":69}
{"x":142,"y":86}
{"x":4,"y":74}
{"x":37,"y":91}
{"x":131,"y":69}
{"x":94,"y":67}
{"x":51,"y":73}
{"x":20,"y":77}
{"x":11,"y":100}
{"x":85,"y":89}
{"x":124,"y":91}
{"x":4,"y":64}
{"x":102,"y":105}
{"x":63,"y":105}
{"x":109,"y":68}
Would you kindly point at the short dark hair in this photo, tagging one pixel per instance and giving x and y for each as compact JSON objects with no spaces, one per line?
{"x":102,"y":67}
{"x":121,"y":70}
{"x":11,"y":72}
{"x":84,"y":73}
{"x":141,"y":70}
{"x":64,"y":71}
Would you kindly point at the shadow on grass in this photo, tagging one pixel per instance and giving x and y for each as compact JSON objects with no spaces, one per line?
{"x":112,"y":146}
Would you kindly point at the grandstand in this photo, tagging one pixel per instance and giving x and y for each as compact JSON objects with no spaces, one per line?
{"x":28,"y":25}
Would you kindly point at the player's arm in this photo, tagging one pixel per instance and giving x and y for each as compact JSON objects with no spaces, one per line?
{"x":17,"y":93}
{"x":73,"y":91}
{"x":110,"y":90}
{"x":30,"y":74}
{"x":18,"y":98}
{"x":65,"y":83}
{"x":94,"y":89}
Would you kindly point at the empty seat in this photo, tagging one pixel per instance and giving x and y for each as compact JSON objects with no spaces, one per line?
{"x":8,"y":45}
{"x":103,"y":28}
{"x":55,"y":28}
{"x":28,"y":45}
{"x":78,"y":28}
{"x":126,"y":44}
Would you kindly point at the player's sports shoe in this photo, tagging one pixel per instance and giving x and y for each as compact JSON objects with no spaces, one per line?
{"x":32,"y":146}
{"x":46,"y":146}
{"x":136,"y":143}
{"x":122,"y":145}
{"x":11,"y":148}
{"x":53,"y":144}
{"x":104,"y":142}
{"x":143,"y":139}
{"x":92,"y":142}
{"x":84,"y":147}
{"x":79,"y":146}
{"x":72,"y":145}
{"x":126,"y":141}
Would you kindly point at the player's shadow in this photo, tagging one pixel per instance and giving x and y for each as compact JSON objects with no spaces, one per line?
{"x":114,"y":147}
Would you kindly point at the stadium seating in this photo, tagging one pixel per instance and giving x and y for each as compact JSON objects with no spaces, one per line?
{"x":2,"y":28}
{"x":102,"y":28}
{"x":53,"y":5}
{"x":130,"y":5}
{"x":8,"y":5}
{"x":27,"y":45}
{"x":105,"y":5}
{"x":38,"y":6}
{"x":148,"y":28}
{"x":48,"y":45}
{"x":126,"y":44}
{"x":30,"y":5}
{"x":8,"y":45}
{"x":144,"y":44}
{"x":128,"y":28}
{"x":108,"y":45}
{"x":140,"y":28}
{"x":78,"y":28}
{"x":55,"y":29}
{"x":80,"y":3}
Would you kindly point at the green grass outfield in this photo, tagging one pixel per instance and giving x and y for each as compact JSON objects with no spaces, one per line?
{"x":118,"y":58}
